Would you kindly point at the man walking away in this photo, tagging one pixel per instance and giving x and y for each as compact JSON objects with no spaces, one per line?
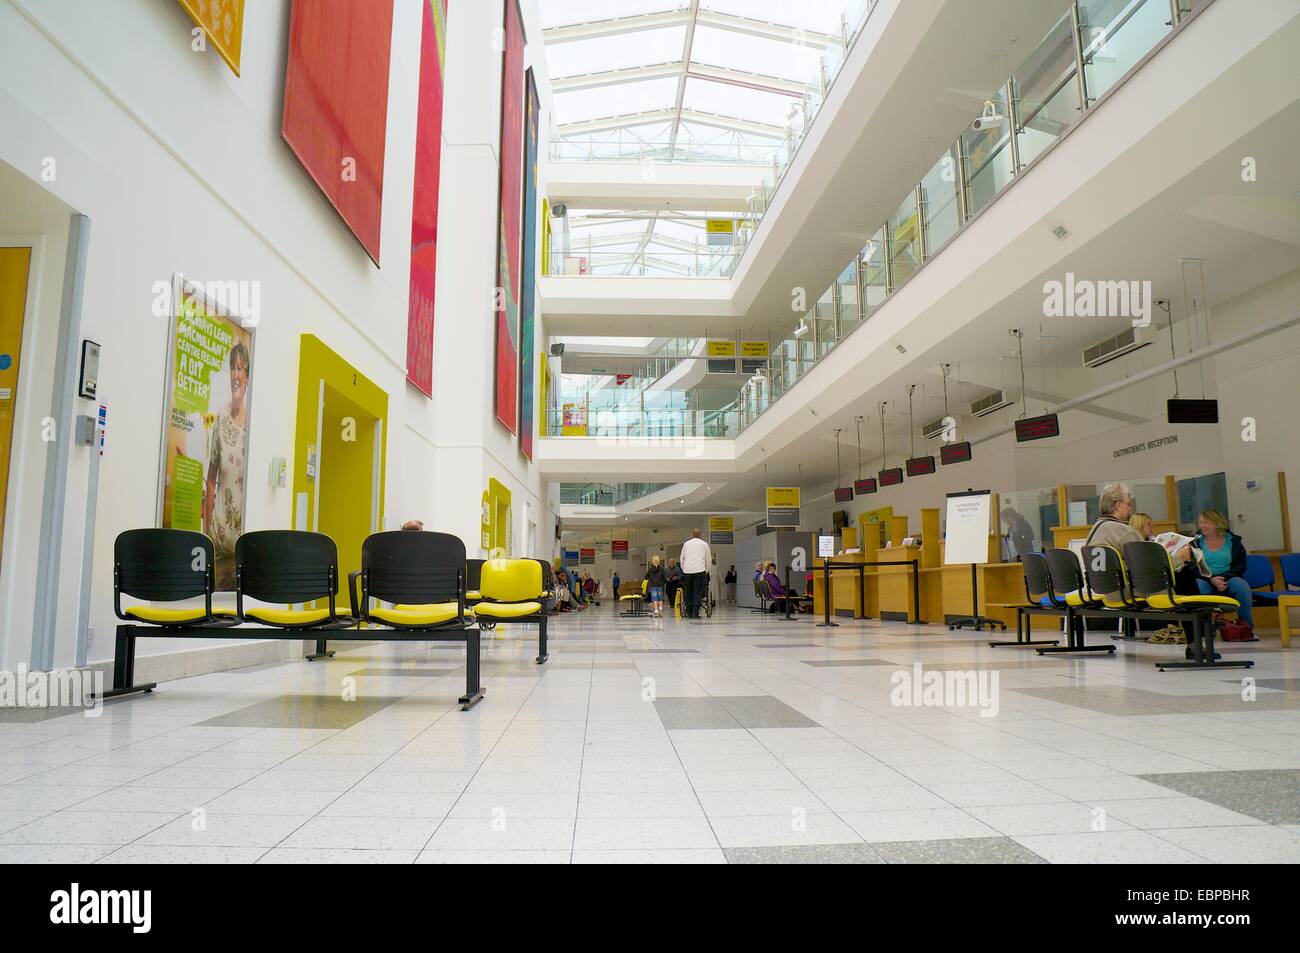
{"x":695,"y":561}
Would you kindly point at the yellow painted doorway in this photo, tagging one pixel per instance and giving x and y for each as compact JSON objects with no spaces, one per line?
{"x":15,"y":264}
{"x":339,"y":457}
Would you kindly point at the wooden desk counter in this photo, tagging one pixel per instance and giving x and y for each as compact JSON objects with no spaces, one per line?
{"x":846,"y":588}
{"x":894,"y":585}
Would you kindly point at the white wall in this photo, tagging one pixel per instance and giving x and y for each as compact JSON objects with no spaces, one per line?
{"x":181,"y":167}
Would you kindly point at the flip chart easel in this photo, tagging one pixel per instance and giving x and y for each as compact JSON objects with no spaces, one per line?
{"x":966,"y":540}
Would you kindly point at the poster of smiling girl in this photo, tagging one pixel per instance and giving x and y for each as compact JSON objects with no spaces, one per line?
{"x":206,"y":414}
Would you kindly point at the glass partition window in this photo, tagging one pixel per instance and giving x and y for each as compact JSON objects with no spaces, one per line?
{"x":874,"y":274}
{"x":1255,"y":511}
{"x":1046,"y":91}
{"x":904,"y":240}
{"x":1115,"y":35}
{"x":942,"y":215}
{"x":846,"y":299}
{"x":823,"y":325}
{"x":1025,"y":520}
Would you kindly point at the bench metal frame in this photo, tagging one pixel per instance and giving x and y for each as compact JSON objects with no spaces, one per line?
{"x":124,"y":654}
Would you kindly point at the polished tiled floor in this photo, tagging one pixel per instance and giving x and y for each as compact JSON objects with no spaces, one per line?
{"x":741,"y":739}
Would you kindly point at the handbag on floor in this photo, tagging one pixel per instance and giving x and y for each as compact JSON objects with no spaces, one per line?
{"x":1234,"y":630}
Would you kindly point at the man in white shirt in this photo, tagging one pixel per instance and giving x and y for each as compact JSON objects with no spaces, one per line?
{"x":695,"y":562}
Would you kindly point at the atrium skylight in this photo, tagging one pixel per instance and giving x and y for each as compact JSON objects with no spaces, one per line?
{"x":682,"y":80}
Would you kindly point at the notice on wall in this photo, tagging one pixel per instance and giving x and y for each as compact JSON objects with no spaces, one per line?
{"x":967,"y":524}
{"x":206,"y":409}
{"x":722,"y":530}
{"x":783,"y":506}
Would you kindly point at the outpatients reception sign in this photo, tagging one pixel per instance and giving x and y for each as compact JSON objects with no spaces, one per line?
{"x":206,"y":403}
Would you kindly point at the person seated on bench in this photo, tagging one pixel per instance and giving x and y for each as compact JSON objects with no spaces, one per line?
{"x":1184,"y":585}
{"x":1225,"y":555}
{"x":562,"y":597}
{"x":1112,"y":527}
{"x":779,"y":595}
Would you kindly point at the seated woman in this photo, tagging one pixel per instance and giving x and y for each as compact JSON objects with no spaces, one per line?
{"x":1225,"y":555}
{"x":1184,"y":585}
{"x":779,"y":595}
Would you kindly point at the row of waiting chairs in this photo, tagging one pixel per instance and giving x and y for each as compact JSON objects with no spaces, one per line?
{"x":1137,"y":584}
{"x":424,"y":576}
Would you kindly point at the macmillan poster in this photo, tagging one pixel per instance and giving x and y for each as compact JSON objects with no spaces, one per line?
{"x":206,"y":404}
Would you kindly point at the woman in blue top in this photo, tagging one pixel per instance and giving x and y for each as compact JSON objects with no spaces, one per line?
{"x":1226,"y":557}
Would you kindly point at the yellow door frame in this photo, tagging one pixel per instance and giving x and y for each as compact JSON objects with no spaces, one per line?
{"x":317,"y":363}
{"x":15,"y":279}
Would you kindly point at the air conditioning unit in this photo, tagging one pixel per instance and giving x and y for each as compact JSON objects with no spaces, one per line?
{"x":1103,"y":351}
{"x":990,"y":404}
{"x":933,"y":429}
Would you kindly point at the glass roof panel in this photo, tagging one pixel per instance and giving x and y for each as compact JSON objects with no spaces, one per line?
{"x":643,"y":48}
{"x":564,"y":12}
{"x":770,"y":42}
{"x":738,"y":101}
{"x":820,"y":16}
{"x":619,"y":100}
{"x":754,"y":54}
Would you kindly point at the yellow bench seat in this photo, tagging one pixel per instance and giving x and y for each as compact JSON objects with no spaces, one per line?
{"x":286,"y":618}
{"x":418,"y":616}
{"x":507,"y":610}
{"x":159,"y":615}
{"x":1163,"y":603}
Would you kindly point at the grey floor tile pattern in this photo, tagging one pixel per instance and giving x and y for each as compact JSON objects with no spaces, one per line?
{"x":729,"y":711}
{"x":696,"y":714}
{"x":847,"y":662}
{"x":1124,"y":700}
{"x":964,"y":850}
{"x":805,"y":854}
{"x":1280,"y":684}
{"x":302,"y":711}
{"x":1270,"y":796}
{"x":665,"y":741}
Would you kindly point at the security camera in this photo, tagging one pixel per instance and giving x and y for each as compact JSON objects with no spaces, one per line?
{"x":988,"y":117}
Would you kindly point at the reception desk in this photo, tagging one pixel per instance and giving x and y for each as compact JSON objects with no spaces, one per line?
{"x":885,"y":592}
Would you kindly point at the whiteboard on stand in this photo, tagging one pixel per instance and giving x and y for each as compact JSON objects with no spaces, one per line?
{"x":967,"y":539}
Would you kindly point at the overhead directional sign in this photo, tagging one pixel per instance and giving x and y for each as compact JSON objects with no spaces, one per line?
{"x":722,"y":530}
{"x":783,"y":506}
